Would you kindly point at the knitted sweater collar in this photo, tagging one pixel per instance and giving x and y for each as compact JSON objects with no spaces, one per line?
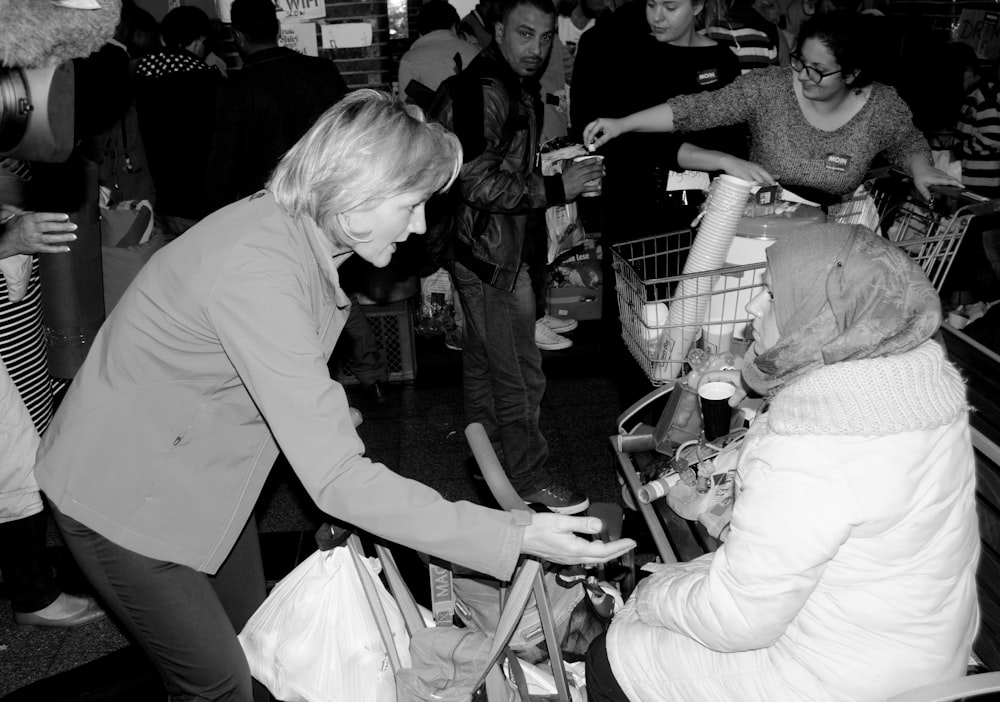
{"x":918,"y":389}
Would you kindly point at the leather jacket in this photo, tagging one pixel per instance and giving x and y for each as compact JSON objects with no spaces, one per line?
{"x":501,"y":193}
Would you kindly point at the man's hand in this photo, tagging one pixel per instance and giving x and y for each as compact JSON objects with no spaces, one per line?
{"x":34,"y":232}
{"x":580,"y":177}
{"x":554,"y":538}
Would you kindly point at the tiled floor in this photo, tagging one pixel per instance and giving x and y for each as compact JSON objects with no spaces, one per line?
{"x":419,"y":433}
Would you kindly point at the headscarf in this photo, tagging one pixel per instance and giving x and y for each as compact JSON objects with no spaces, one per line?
{"x":841,"y":293}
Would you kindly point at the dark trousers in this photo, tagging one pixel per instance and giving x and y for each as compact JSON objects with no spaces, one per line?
{"x":601,"y":683}
{"x":27,"y":573}
{"x":502,"y":379}
{"x":185,"y":621}
{"x":367,"y":362}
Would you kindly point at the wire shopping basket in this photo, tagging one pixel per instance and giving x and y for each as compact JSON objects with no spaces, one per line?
{"x":648,"y":272}
{"x":930,"y":232}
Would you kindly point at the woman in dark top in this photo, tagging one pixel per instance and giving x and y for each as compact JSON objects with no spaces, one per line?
{"x":644,"y":54}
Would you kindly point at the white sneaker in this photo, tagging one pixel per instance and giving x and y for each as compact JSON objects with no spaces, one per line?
{"x":548,"y":340}
{"x":560,"y":325}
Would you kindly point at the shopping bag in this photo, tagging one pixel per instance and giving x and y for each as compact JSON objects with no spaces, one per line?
{"x":315,"y":639}
{"x":456,"y":664}
{"x":128,"y":241}
{"x":563,"y":222}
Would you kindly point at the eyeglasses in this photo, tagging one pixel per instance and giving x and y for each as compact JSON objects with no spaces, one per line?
{"x":815,"y":75}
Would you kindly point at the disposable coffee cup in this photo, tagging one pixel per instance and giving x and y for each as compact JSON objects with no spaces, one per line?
{"x":716,"y":414}
{"x":591,"y":157}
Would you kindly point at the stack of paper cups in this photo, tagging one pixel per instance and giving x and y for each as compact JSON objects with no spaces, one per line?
{"x":726,"y":203}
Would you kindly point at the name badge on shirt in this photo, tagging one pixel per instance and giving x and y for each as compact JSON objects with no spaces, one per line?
{"x":707,"y":76}
{"x":837,"y":162}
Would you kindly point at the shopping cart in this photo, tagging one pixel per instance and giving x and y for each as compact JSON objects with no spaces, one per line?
{"x":648,"y":272}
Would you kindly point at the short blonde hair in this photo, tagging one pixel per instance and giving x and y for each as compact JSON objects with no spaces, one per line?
{"x":365,"y":149}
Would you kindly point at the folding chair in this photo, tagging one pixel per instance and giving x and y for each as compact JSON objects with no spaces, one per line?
{"x":518,"y":595}
{"x":507,"y":497}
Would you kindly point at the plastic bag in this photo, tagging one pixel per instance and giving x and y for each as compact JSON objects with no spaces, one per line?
{"x":314,"y":638}
{"x":563,"y":222}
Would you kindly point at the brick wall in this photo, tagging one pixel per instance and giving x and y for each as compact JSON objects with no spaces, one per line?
{"x":374,"y":66}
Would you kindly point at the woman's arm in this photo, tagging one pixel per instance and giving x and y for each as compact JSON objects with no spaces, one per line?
{"x":731,"y":104}
{"x":904,"y":145}
{"x":653,"y":119}
{"x":695,"y":158}
{"x":925,"y":175}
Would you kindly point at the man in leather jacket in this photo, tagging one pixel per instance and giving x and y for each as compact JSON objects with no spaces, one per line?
{"x":501,"y":200}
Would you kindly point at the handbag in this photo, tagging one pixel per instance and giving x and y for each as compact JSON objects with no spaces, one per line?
{"x":316,"y":638}
{"x":127,"y":243}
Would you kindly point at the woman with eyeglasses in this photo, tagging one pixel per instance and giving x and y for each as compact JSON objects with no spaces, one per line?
{"x":815,"y":127}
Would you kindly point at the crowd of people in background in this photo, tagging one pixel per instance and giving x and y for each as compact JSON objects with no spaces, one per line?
{"x":659,"y":87}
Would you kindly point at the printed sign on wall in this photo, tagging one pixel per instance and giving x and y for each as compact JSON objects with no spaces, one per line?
{"x":300,"y":37}
{"x":347,"y":36}
{"x":980,"y":29}
{"x":300,"y":10}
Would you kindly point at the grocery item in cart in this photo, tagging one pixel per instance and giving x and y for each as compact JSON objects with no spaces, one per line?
{"x":724,"y":209}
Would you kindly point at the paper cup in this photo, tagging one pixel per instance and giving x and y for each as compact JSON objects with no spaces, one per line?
{"x":716,"y":414}
{"x":724,"y":209}
{"x":591,"y":157}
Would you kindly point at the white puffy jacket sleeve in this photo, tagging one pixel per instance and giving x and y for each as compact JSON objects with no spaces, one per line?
{"x":793,"y":511}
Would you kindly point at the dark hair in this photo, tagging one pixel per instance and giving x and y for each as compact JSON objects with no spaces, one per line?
{"x":960,"y":56}
{"x":134,"y":18}
{"x":843,"y":33}
{"x":507,"y":6}
{"x":437,"y":14}
{"x":182,"y":25}
{"x":256,"y":20}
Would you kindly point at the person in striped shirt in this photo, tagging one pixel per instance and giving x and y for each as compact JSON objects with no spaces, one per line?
{"x":978,"y":127}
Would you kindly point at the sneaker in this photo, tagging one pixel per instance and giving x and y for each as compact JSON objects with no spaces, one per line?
{"x":548,"y":340}
{"x":558,"y":498}
{"x":560,"y":325}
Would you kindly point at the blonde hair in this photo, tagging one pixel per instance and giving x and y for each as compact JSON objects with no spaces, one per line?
{"x":362,"y":151}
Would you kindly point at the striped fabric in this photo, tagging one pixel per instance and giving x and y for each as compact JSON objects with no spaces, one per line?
{"x":21,"y":169}
{"x":22,"y":348}
{"x":752,"y":47}
{"x":980,"y":148}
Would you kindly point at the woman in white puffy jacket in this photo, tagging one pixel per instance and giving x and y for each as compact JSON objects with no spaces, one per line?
{"x":849,"y":569}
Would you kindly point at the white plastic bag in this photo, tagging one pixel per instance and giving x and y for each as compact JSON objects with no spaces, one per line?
{"x":314,"y":638}
{"x":563,"y":222}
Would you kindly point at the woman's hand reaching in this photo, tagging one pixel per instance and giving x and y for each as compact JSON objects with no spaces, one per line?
{"x":746,"y":170}
{"x":601,"y":131}
{"x":554,"y":538}
{"x":34,"y":232}
{"x":925,"y":177}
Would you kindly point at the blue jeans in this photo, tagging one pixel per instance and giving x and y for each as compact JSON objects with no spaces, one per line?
{"x":502,"y":377}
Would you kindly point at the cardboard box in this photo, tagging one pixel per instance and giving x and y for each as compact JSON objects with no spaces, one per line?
{"x":575,"y":302}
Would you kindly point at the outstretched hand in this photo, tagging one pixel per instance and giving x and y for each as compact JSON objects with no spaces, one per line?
{"x":554,"y":537}
{"x":601,"y":131}
{"x":34,"y":232}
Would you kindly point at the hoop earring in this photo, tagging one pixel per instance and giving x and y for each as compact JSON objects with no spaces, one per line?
{"x":345,"y":225}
